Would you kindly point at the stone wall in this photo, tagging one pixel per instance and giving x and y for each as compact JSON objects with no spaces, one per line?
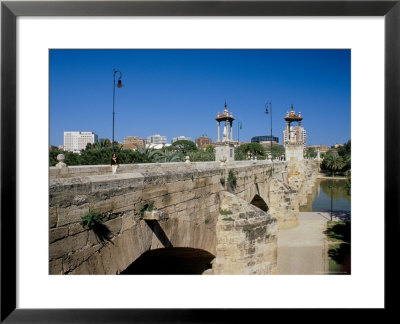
{"x":187,"y":197}
{"x":246,"y":238}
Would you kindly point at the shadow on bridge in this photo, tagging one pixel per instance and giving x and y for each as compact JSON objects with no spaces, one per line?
{"x":159,"y":233}
{"x":177,"y":261}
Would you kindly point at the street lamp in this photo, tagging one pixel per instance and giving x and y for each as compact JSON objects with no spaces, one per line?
{"x":119,"y":85}
{"x":267,"y":112}
{"x":239,"y":128}
{"x":331,"y":187}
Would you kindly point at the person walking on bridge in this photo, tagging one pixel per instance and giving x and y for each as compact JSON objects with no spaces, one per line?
{"x":114,"y":163}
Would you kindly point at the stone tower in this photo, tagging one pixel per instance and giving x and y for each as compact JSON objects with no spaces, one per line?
{"x":294,"y":146}
{"x":225,"y":147}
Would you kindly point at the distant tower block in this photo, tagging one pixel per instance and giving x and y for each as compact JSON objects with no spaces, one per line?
{"x":294,"y":147}
{"x":225,"y":147}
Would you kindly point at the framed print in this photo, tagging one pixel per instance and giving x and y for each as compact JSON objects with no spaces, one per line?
{"x":49,"y":45}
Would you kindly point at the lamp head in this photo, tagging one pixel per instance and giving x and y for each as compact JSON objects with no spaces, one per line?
{"x":119,"y":84}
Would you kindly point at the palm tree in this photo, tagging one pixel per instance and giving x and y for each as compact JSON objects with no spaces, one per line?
{"x":149,"y":154}
{"x":167,"y":156}
{"x":334,"y":162}
{"x":102,"y":143}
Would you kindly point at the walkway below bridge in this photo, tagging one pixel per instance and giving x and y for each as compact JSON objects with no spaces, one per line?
{"x":304,"y":250}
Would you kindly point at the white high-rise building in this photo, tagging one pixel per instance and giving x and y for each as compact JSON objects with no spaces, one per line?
{"x":180,"y":138}
{"x":300,"y":135}
{"x":157,"y":139}
{"x":77,"y":141}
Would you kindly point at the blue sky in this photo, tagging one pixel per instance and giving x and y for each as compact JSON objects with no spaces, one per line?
{"x":179,"y":92}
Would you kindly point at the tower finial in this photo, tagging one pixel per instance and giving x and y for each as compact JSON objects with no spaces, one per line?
{"x":291,"y":106}
{"x":225,"y":104}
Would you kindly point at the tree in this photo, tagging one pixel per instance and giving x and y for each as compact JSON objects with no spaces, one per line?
{"x":277,"y":151}
{"x":209,"y":149}
{"x":147,"y":155}
{"x":102,"y":143}
{"x":255,"y":149}
{"x":333,"y":162}
{"x":311,"y":153}
{"x":183,"y":146}
{"x":163,"y":156}
{"x":345,"y":152}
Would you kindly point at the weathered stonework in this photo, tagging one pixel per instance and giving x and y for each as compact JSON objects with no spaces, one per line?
{"x":246,"y":238}
{"x":187,"y":201}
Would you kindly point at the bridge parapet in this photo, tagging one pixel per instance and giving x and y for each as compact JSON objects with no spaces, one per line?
{"x":188,"y":194}
{"x":93,"y":170}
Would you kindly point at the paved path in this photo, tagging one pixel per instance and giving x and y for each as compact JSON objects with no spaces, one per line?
{"x":303,"y":249}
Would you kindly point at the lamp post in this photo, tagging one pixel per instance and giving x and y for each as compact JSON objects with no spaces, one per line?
{"x":267,"y":112}
{"x":119,"y":85}
{"x":239,"y":128}
{"x":330,"y":187}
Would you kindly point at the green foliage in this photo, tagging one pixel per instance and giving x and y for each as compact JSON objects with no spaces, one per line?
{"x":232,"y":180}
{"x":332,"y":162}
{"x":277,"y":151}
{"x":147,"y":155}
{"x":255,"y":149}
{"x":339,"y":162}
{"x":228,"y":219}
{"x":93,"y":221}
{"x":147,"y":207}
{"x":90,"y":219}
{"x":207,"y":220}
{"x":248,"y":228}
{"x":338,"y":231}
{"x":163,"y":156}
{"x":222,"y":180}
{"x":209,"y":149}
{"x":201,"y":156}
{"x":311,"y":153}
{"x":225,"y":212}
{"x":183,"y":146}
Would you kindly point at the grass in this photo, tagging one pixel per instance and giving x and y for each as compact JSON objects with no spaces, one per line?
{"x":93,"y":221}
{"x":339,"y":251}
{"x":90,"y":219}
{"x":248,"y":228}
{"x":228,"y":219}
{"x":207,"y":220}
{"x":232,"y":179}
{"x":338,"y":231}
{"x":222,"y":180}
{"x":225,"y":212}
{"x":147,"y":207}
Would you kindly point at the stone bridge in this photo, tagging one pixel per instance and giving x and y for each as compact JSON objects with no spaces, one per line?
{"x":206,"y":217}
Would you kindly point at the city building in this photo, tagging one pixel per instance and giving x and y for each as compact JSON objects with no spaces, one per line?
{"x":156,"y":139}
{"x":266,"y":138}
{"x":299,"y":132}
{"x":180,"y":138}
{"x":133,"y":142}
{"x":77,"y":141}
{"x":202,"y":141}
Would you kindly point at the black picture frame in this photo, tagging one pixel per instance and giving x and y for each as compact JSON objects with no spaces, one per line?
{"x":10,"y":10}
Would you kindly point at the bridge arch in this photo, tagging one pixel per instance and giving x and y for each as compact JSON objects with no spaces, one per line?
{"x":259,"y":202}
{"x":179,"y":260}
